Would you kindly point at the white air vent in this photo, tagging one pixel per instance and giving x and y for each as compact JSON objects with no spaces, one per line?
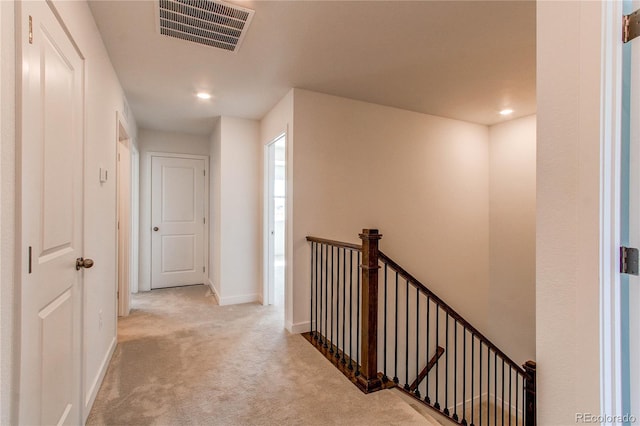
{"x":208,"y":22}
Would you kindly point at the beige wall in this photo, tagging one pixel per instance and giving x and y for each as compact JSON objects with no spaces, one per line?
{"x":512,"y":225}
{"x":568,"y":206}
{"x":422,"y":180}
{"x":238,"y":210}
{"x":158,"y":141}
{"x":215,"y":178}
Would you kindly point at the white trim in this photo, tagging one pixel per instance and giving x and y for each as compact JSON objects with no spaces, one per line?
{"x":213,"y":290}
{"x":299,"y":327}
{"x":266,"y":216}
{"x":610,"y":339}
{"x":236,"y":300}
{"x":95,"y":386}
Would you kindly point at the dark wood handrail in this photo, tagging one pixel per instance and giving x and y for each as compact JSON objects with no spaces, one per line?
{"x":335,"y":243}
{"x":452,"y":313}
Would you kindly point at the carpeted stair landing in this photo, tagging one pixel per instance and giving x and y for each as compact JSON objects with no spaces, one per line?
{"x":183,"y":360}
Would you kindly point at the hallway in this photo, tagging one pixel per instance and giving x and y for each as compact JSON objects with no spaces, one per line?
{"x":183,"y":360}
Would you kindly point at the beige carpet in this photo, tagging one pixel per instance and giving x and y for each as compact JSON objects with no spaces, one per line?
{"x":183,"y":360}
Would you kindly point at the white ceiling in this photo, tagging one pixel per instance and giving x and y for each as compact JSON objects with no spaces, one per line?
{"x":460,"y":59}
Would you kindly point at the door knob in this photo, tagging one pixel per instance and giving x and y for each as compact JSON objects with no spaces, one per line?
{"x":155,"y":228}
{"x":83,"y":263}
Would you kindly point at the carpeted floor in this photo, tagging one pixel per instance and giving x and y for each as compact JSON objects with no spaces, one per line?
{"x":183,"y":360}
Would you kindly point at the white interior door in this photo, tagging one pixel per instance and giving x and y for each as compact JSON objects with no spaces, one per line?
{"x":177,"y":221}
{"x":124,"y":226}
{"x":51,"y":210}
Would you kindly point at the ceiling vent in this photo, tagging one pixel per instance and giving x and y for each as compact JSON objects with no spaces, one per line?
{"x":212,"y":23}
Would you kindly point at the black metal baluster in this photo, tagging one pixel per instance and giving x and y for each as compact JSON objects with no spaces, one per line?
{"x":358,"y":322}
{"x":517,"y":375}
{"x":502,"y":377}
{"x":437,"y":404}
{"x":350,"y":309}
{"x":495,"y":387}
{"x":417,"y":391}
{"x":455,"y":370}
{"x":338,"y":304}
{"x":326,"y":298}
{"x":510,"y":368}
{"x":344,"y":302}
{"x":464,"y":375}
{"x":320,"y":332}
{"x":395,"y":359}
{"x":488,"y":385}
{"x":524,"y":407}
{"x":384,"y":348}
{"x":406,"y":342}
{"x":311,"y":294}
{"x":427,"y":399}
{"x":446,"y":364}
{"x":480,"y":384}
{"x":314,"y":325}
{"x":473,"y":343}
{"x":331,"y":304}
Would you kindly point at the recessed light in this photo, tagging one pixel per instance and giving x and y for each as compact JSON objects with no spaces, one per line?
{"x":203,"y":95}
{"x":506,"y":111}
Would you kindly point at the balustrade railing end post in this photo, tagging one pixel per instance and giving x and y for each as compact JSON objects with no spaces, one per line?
{"x":530,"y":394}
{"x":368,"y":378}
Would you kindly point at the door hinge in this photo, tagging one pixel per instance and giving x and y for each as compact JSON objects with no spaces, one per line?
{"x":204,"y":172}
{"x":630,"y":26}
{"x":203,"y":269}
{"x":629,"y":260}
{"x":29,"y":259}
{"x":204,"y":220}
{"x":30,"y":30}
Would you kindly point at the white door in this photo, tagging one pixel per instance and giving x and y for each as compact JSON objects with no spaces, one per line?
{"x":177,"y":221}
{"x":51,"y":228}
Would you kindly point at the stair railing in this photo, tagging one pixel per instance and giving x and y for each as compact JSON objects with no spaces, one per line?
{"x":389,"y":330}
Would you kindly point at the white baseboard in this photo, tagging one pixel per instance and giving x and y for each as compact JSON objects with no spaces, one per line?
{"x":95,"y":386}
{"x":299,"y":327}
{"x":214,"y":291}
{"x":235,"y":300}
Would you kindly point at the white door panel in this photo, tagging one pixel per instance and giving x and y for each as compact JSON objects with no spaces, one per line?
{"x":51,"y":229}
{"x":177,"y":212}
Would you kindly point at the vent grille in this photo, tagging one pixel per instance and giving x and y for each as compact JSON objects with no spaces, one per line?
{"x":211,"y":23}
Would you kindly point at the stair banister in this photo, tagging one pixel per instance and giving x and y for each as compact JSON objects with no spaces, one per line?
{"x":368,"y":378}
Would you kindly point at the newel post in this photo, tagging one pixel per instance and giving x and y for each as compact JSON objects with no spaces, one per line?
{"x":368,"y":378}
{"x":530,"y":394}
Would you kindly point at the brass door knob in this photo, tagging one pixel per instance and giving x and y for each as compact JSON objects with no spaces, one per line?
{"x":155,"y":228}
{"x":83,"y":263}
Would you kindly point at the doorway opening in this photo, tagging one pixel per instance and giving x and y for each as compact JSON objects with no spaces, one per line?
{"x":125,"y":220}
{"x":275,"y":219}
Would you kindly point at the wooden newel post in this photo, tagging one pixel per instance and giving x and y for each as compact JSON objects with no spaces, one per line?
{"x":368,"y":379}
{"x":530,"y":394}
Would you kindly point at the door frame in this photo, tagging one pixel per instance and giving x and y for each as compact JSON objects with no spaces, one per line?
{"x":266,"y":220}
{"x":146,"y":235}
{"x":123,"y":286}
{"x":611,"y":395}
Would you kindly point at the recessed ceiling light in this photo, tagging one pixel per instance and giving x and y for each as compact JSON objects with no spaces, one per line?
{"x":506,"y":111}
{"x":203,"y":95}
